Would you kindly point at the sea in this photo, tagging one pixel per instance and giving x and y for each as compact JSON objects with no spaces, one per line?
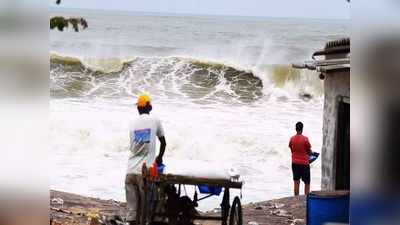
{"x":223,"y":87}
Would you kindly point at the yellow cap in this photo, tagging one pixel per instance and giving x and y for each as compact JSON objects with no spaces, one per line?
{"x":143,"y":100}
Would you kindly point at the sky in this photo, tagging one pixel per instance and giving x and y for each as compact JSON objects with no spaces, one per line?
{"x":325,"y":9}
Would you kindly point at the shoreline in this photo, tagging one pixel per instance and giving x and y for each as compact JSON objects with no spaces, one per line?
{"x":72,"y":209}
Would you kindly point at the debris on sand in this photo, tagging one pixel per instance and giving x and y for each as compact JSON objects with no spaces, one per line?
{"x":57,"y":201}
{"x":80,"y":210}
{"x":278,"y":205}
{"x":252,"y":223}
{"x":282,"y":213}
{"x":297,"y":221}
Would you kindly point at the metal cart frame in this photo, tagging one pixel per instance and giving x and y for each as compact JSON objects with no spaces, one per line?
{"x":230,"y":214}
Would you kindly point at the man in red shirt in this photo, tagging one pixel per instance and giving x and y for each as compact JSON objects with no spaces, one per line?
{"x":301,"y":150}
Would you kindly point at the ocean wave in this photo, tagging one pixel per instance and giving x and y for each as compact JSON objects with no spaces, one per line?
{"x":199,"y":80}
{"x":293,"y":82}
{"x":172,"y":76}
{"x":94,"y":65}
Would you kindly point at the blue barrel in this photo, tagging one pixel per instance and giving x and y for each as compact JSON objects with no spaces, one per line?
{"x":328,"y":207}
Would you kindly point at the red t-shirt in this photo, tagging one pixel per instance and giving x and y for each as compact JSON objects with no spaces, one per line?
{"x":301,"y":148}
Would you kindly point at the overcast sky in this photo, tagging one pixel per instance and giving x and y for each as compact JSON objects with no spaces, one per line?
{"x":329,"y":9}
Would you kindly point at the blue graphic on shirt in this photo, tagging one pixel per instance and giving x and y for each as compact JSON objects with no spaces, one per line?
{"x":142,"y":136}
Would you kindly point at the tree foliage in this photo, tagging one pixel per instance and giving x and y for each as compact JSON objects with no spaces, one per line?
{"x":61,"y":22}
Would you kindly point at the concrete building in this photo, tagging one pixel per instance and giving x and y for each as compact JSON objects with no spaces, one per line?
{"x":333,"y":66}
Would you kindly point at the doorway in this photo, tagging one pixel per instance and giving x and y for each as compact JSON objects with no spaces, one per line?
{"x":342,"y":179}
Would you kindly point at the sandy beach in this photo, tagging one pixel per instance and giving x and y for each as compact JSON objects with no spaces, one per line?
{"x":77,"y":209}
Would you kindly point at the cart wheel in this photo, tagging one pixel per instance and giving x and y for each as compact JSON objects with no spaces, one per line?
{"x":225,"y":207}
{"x":236,"y":217}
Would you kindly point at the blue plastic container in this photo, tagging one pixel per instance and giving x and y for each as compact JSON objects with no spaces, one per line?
{"x":161,"y":168}
{"x":205,"y":189}
{"x":313,"y":157}
{"x":324,"y":207}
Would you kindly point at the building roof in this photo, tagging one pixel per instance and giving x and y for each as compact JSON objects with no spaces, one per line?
{"x":324,"y":65}
{"x":341,"y":46}
{"x":340,"y":62}
{"x":334,"y":68}
{"x":338,"y":43}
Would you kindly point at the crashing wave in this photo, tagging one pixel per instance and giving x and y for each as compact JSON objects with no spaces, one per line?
{"x":174,"y":77}
{"x":99,"y":65}
{"x":301,"y":83}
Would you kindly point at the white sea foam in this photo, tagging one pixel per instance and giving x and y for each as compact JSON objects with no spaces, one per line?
{"x":89,"y":143}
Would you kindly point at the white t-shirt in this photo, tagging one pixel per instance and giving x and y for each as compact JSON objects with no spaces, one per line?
{"x":142,"y":133}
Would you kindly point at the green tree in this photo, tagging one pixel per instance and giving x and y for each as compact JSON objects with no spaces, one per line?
{"x":61,"y":22}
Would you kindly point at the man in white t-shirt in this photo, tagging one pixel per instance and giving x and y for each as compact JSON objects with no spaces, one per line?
{"x":142,"y":133}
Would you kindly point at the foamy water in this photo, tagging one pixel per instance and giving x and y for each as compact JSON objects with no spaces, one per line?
{"x":231,"y":107}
